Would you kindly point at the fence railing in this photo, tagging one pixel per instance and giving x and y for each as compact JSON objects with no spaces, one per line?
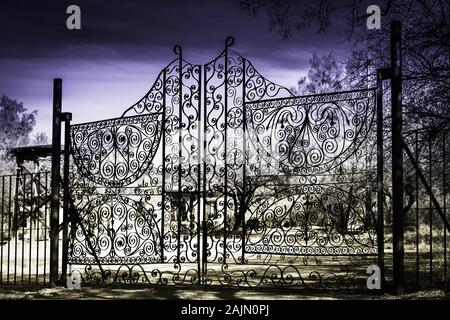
{"x":426,"y":237}
{"x":24,"y":228}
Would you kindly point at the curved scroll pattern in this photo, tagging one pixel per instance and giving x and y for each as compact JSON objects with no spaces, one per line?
{"x":138,"y":169}
{"x":181,"y":162}
{"x":230,"y":82}
{"x":119,"y":230}
{"x":311,"y":168}
{"x":116,"y":152}
{"x":153,"y":101}
{"x":311,"y":220}
{"x":312,"y":134}
{"x":259,"y":88}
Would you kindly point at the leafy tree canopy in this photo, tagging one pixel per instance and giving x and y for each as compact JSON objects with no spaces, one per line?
{"x":16,"y":125}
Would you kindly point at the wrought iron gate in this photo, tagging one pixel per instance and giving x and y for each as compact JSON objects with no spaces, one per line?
{"x":218,"y":176}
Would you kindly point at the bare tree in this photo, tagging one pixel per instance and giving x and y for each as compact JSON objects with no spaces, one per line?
{"x":325,"y":74}
{"x":288,"y":16}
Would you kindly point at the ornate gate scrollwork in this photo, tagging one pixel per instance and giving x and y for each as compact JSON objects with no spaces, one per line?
{"x":218,"y":176}
{"x":314,"y":153}
{"x":117,"y":152}
{"x":129,"y":175}
{"x":311,"y":135}
{"x":126,"y":232}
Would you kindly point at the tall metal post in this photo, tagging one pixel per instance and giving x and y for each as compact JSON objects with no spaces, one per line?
{"x":66,"y":117}
{"x":228,"y":43}
{"x":163,"y":164}
{"x":180,"y":148}
{"x":205,"y":190}
{"x":244,"y":164}
{"x":397,"y":159}
{"x":199,"y":192}
{"x":55,"y":182}
{"x":381,"y":75}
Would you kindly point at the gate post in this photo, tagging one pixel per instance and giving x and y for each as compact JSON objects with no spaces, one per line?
{"x":381,"y":75}
{"x":397,"y":158}
{"x":66,"y":117}
{"x":55,"y":182}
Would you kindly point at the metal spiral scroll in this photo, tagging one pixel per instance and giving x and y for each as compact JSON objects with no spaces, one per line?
{"x":311,"y":159}
{"x":117,"y":152}
{"x":313,"y":134}
{"x":121,"y":231}
{"x":230,"y":82}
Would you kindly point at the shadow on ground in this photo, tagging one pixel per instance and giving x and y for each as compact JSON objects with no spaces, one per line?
{"x":170,"y":293}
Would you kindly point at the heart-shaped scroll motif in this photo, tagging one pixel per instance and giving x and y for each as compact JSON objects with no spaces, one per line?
{"x":311,"y":134}
{"x":121,"y":230}
{"x":116,"y":152}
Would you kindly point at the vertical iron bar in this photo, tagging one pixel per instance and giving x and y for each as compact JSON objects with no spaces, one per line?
{"x":397,"y":158}
{"x":38,"y":191}
{"x":16,"y":222}
{"x":444,"y":190}
{"x":111,"y":201}
{"x":306,"y":218}
{"x":380,"y":176}
{"x":23,"y":221}
{"x":65,"y":249}
{"x":225,"y":208}
{"x":180,"y":128}
{"x":9,"y":224}
{"x":2,"y":230}
{"x":31,"y":229}
{"x":204,"y":221}
{"x":199,"y":110}
{"x":430,"y":210}
{"x":163,"y":191}
{"x":45,"y":226}
{"x":368,"y":189}
{"x":243,"y":208}
{"x":417,"y":211}
{"x":55,"y":182}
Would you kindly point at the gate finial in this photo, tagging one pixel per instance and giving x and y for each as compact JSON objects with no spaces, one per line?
{"x":229,"y":42}
{"x":177,"y":50}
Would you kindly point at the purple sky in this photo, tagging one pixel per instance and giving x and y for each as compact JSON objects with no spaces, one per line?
{"x":112,"y":62}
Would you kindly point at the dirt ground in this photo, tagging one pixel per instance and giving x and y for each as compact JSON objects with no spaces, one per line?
{"x":174,"y":293}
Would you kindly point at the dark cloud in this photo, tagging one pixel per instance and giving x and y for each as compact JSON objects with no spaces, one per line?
{"x":139,"y":29}
{"x":113,"y":60}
